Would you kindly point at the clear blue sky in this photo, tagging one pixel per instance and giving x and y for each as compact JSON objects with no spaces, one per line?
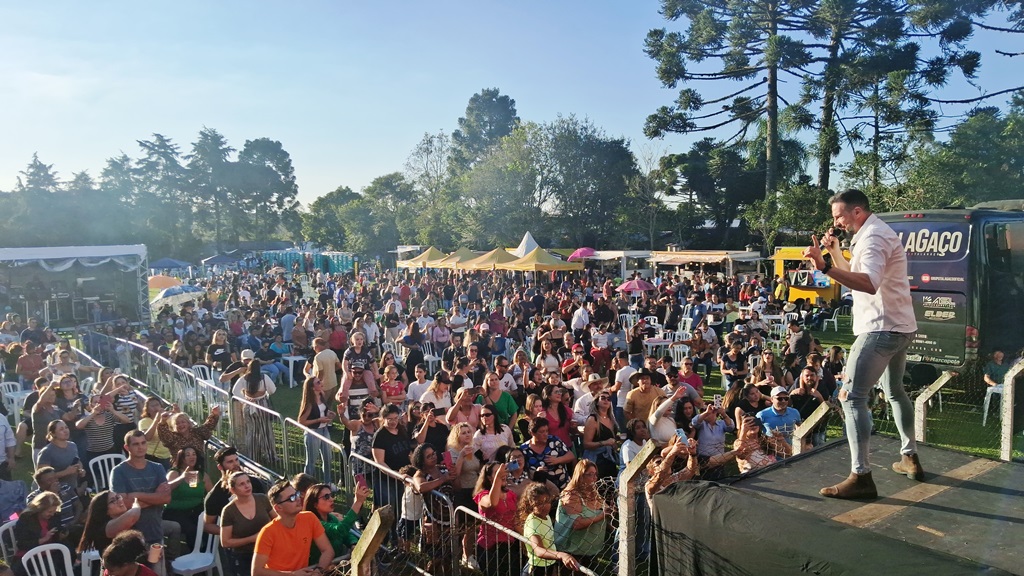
{"x":347,"y":87}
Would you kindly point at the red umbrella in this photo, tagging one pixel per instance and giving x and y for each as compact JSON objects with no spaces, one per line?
{"x":581,"y":253}
{"x":636,"y":285}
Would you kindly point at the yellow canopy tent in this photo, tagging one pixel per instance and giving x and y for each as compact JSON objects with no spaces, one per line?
{"x":538,"y":260}
{"x":451,"y":260}
{"x":488,"y":261}
{"x":419,"y":261}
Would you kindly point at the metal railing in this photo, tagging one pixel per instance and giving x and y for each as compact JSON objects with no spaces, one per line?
{"x":425,"y":536}
{"x":259,"y":432}
{"x":317,"y":446}
{"x":504,"y":559}
{"x":155,"y":376}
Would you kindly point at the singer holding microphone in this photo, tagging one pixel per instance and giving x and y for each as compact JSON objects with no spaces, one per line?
{"x":884,"y":326}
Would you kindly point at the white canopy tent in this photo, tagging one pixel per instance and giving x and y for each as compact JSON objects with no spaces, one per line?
{"x":527,"y":245}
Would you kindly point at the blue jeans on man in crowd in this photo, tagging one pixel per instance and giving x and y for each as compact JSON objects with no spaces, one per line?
{"x":275,"y":370}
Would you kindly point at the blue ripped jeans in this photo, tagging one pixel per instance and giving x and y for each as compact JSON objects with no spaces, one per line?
{"x":877,"y":358}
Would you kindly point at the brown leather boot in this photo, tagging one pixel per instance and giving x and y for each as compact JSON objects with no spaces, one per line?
{"x":855,"y":487}
{"x":910,"y":466}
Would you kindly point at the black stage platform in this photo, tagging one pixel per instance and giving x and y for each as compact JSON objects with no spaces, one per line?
{"x":968,"y":507}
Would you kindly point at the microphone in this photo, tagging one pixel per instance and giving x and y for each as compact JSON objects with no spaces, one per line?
{"x":825,"y":255}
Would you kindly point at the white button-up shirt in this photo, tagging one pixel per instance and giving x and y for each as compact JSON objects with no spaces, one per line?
{"x":877,"y":252}
{"x":580,"y":318}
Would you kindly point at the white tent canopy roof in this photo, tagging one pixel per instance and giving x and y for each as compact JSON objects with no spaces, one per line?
{"x":614,"y":254}
{"x":60,"y":258}
{"x":45,"y":252}
{"x":679,"y":257}
{"x":527,"y":245}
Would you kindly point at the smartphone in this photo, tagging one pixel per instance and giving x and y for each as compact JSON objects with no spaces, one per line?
{"x":512,"y":466}
{"x":681,"y":434}
{"x":439,"y":411}
{"x":718,"y":401}
{"x":361,"y":480}
{"x":447,"y":459}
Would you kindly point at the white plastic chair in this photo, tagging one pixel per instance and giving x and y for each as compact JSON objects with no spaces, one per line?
{"x":202,"y":372}
{"x":790,"y":316}
{"x":90,"y":557}
{"x":996,"y":390}
{"x":686,"y":325}
{"x":777,"y":336}
{"x":679,"y":353}
{"x":204,"y":557}
{"x":44,"y":560}
{"x":429,"y":357}
{"x":834,"y":320}
{"x":10,"y":390}
{"x":653,"y":321}
{"x":8,"y":546}
{"x":100,"y":468}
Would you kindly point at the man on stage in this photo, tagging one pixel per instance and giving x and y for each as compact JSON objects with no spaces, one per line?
{"x":884,"y":324}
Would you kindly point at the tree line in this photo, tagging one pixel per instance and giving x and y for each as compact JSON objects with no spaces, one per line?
{"x":174,"y":202}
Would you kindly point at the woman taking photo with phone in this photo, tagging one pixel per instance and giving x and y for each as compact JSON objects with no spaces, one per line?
{"x":319,"y":500}
{"x":431,"y":428}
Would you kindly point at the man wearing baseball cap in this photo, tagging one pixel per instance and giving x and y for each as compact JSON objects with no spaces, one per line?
{"x":573,"y":366}
{"x":779,"y":419}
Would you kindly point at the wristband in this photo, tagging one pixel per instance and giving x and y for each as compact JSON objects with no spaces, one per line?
{"x":828,"y":266}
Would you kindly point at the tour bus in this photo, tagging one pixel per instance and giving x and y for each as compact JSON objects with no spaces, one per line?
{"x":966,"y":271}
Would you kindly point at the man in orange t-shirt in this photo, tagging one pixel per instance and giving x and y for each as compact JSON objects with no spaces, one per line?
{"x":283,"y":545}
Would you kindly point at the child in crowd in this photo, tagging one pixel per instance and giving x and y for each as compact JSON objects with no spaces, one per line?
{"x":535,"y":515}
{"x":412,"y":509}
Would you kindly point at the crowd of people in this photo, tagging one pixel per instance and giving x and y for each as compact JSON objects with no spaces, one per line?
{"x":519,"y":402}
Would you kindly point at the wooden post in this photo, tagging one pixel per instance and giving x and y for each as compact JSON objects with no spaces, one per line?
{"x":806,"y":426}
{"x":1006,"y":442}
{"x":369,"y":543}
{"x":628,"y":529}
{"x":921,"y":404}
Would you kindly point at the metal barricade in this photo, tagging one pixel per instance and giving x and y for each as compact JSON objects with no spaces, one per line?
{"x":509,"y":554}
{"x":424,"y":553}
{"x":259,"y":433}
{"x":314,"y":453}
{"x":156,"y":376}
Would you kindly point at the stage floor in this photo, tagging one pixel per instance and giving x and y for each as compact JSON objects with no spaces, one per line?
{"x":967,"y":506}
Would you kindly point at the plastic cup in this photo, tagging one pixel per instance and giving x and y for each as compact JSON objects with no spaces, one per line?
{"x":193,"y":479}
{"x":156,"y":551}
